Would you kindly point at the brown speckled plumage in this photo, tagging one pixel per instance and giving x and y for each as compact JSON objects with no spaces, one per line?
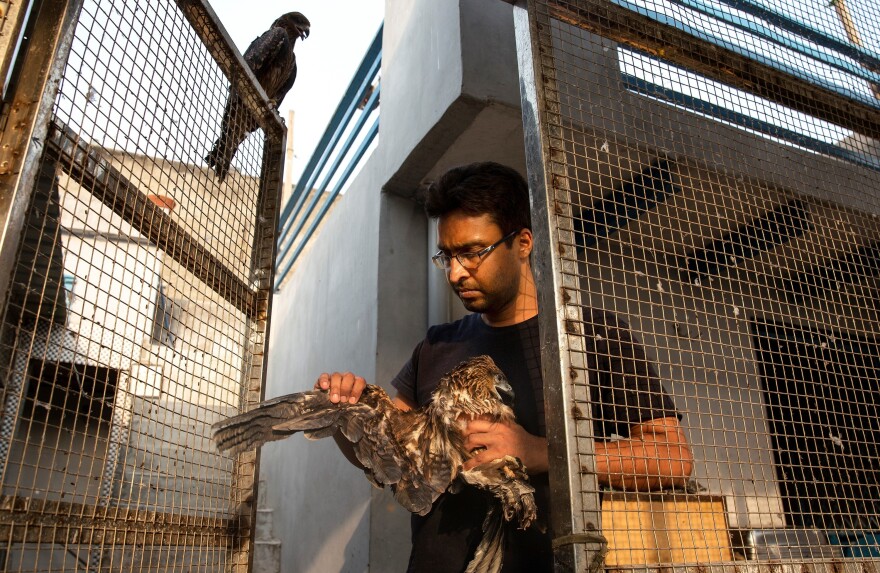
{"x":419,"y":453}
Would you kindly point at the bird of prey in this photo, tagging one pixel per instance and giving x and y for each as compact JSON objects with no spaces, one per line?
{"x":418,"y":453}
{"x":273,"y":62}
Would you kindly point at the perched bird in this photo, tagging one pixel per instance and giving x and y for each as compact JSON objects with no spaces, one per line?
{"x":418,"y":453}
{"x":273,"y":62}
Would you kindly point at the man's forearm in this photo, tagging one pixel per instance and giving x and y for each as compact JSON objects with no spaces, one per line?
{"x":655,"y":457}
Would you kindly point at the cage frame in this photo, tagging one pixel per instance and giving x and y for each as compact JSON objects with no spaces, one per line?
{"x":579,"y":543}
{"x":26,"y":132}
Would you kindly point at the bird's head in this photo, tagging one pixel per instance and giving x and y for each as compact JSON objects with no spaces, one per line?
{"x":296,"y":25}
{"x":476,"y":387}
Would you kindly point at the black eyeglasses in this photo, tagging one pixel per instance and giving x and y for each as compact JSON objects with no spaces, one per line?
{"x":470,"y":261}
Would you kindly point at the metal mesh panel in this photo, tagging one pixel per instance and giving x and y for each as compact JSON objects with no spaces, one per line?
{"x":706,"y":173}
{"x":137,"y":311}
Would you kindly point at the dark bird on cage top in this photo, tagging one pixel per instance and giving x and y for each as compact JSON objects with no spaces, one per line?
{"x":273,"y":62}
{"x":418,"y":453}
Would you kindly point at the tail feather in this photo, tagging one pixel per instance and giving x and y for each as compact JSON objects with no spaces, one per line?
{"x":220,"y":156}
{"x":216,"y":160}
{"x":237,"y":124}
{"x":489,"y":555}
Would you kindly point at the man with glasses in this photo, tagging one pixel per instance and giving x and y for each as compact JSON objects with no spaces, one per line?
{"x":485,"y":243}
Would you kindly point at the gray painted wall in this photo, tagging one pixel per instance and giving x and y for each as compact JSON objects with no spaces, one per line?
{"x":489,"y":52}
{"x":324,"y":319}
{"x":421,"y":77}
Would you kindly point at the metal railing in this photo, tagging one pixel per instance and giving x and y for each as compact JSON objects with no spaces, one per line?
{"x":338,"y":154}
{"x":795,"y":49}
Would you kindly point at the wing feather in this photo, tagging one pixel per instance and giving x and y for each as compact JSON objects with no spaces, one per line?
{"x":352,"y":428}
{"x":273,"y":62}
{"x":507,"y":480}
{"x":266,"y":49}
{"x":325,"y":417}
{"x":368,"y":425}
{"x":256,"y":427}
{"x":415,"y":496}
{"x":311,"y":412}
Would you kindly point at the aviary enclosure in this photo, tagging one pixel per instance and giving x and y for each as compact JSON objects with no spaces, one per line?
{"x":709,"y":171}
{"x":136,"y":288}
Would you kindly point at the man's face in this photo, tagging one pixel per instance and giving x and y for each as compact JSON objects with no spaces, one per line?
{"x":494,"y":284}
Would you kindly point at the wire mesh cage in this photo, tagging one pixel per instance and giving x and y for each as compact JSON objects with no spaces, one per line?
{"x":711,"y":208}
{"x":137,"y":308}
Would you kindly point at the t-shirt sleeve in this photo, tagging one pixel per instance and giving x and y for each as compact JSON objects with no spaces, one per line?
{"x":405,"y":381}
{"x":629,"y":390}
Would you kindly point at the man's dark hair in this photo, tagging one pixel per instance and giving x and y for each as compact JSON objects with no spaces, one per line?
{"x":485,"y":188}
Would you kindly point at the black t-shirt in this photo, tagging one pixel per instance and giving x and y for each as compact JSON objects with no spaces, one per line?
{"x":625,"y":390}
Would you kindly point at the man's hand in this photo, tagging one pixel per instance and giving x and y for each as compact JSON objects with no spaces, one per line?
{"x":343,"y":387}
{"x":494,"y":440}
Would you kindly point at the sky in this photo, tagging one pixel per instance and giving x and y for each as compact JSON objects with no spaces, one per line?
{"x":326,"y":61}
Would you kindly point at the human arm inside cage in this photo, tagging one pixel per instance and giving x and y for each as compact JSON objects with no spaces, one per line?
{"x":656,"y":455}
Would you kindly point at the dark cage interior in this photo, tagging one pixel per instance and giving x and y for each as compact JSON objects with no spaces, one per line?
{"x":708,"y":174}
{"x":823,"y":390}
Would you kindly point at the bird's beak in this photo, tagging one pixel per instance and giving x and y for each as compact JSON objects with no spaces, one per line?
{"x":303,"y":33}
{"x":504,"y":390}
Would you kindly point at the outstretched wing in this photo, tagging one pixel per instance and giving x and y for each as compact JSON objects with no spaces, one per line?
{"x":372,"y":440}
{"x":386,"y":444}
{"x":276,"y":419}
{"x":371,"y":426}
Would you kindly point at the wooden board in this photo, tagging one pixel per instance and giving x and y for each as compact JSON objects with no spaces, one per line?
{"x":647,"y":528}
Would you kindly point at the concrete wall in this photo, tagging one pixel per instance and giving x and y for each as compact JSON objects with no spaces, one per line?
{"x":489,"y":52}
{"x":453,"y":89}
{"x":421,"y":79}
{"x":325,"y":320}
{"x":402,"y":308}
